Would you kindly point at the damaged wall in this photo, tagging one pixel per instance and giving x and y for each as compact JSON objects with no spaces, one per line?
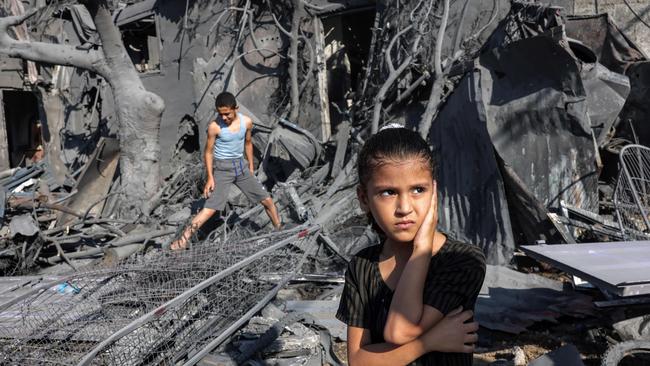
{"x":171,"y":79}
{"x":199,"y":56}
{"x":632,"y":16}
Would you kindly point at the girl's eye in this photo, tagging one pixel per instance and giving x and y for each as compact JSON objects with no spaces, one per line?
{"x":419,"y":190}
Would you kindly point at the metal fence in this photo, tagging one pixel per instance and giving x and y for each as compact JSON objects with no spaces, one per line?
{"x":159,"y":308}
{"x":632,"y":194}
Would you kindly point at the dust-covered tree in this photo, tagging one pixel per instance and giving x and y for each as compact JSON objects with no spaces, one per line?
{"x":138,"y":111}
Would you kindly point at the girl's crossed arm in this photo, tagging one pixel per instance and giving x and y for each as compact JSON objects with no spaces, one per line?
{"x":450,"y":334}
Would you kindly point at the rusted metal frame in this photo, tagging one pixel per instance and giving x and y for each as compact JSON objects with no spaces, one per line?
{"x":249,"y":314}
{"x":632,"y":188}
{"x":617,"y":204}
{"x":152,"y":315}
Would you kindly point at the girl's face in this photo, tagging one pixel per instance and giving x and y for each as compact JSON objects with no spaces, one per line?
{"x":398,"y":195}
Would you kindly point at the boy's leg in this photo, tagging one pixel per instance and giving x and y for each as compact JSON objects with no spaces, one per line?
{"x":256,"y":192}
{"x":197,"y":222}
{"x":272,"y":212}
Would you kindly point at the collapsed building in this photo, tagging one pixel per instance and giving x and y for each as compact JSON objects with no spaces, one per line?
{"x":539,"y":118}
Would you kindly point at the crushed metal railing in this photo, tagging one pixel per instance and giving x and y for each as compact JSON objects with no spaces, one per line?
{"x":632,"y":194}
{"x":158,"y":308}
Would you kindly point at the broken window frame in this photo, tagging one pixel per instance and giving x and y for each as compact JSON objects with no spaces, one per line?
{"x":152,"y":71}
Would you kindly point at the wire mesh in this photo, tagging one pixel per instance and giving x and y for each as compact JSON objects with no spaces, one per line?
{"x":632,"y":194}
{"x":152,"y":309}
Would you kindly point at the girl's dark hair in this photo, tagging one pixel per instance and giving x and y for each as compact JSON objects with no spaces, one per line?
{"x":393,"y":144}
{"x":225,"y":99}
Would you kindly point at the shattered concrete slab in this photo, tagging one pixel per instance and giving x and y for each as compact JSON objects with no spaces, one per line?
{"x":511,"y":301}
{"x":24,"y":225}
{"x":324,"y":312}
{"x":633,"y":328}
{"x":564,"y":356}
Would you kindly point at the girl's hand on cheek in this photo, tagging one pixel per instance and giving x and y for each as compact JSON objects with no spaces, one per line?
{"x":423,"y":239}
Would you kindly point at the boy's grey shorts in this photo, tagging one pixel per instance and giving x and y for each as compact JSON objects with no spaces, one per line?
{"x":233,"y":171}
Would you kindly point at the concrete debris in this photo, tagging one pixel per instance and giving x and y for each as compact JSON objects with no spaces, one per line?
{"x":633,"y":328}
{"x":567,"y":355}
{"x":24,"y":225}
{"x":511,"y":301}
{"x":324,"y":312}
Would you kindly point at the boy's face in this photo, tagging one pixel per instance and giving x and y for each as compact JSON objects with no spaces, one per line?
{"x":398,"y":195}
{"x":227,"y":114}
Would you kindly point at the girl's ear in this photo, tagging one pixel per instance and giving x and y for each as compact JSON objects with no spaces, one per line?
{"x":363,"y":198}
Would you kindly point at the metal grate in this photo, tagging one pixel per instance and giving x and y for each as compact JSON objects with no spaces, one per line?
{"x":159,"y":308}
{"x":632,"y":194}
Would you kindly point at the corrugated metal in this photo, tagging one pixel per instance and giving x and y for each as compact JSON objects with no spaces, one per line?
{"x":619,"y":267}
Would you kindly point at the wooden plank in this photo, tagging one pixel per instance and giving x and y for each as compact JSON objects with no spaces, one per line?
{"x":154,"y":53}
{"x":4,"y":142}
{"x":96,"y":179}
{"x":321,"y":69}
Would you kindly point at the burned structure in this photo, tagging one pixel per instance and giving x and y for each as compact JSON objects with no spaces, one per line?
{"x":538,"y":116}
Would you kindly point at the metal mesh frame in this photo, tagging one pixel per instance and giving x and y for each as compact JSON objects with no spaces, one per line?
{"x":153,"y":309}
{"x":632,"y":193}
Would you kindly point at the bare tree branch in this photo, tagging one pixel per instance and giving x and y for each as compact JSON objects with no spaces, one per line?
{"x":395,"y":73}
{"x":439,"y":40}
{"x":310,"y":68}
{"x":436,"y":88}
{"x":298,"y":10}
{"x":51,"y":53}
{"x":389,"y":49}
{"x":381,"y":94}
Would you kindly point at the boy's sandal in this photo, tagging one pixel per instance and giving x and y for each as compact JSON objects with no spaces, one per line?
{"x":176,"y":246}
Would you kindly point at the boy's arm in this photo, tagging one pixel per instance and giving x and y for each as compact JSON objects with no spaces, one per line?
{"x":451,"y":334}
{"x":213,"y":132}
{"x":248,"y":144}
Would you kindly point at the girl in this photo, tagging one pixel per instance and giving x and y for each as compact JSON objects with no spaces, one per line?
{"x":403,"y":299}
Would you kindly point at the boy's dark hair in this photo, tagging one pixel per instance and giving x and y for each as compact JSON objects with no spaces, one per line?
{"x":393,"y":144}
{"x":225,"y":99}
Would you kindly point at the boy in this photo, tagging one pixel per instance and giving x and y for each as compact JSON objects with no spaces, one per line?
{"x":229,"y":138}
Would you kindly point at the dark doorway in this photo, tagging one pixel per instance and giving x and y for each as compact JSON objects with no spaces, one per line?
{"x":142,"y":44}
{"x":347,"y":43}
{"x":23,"y":127}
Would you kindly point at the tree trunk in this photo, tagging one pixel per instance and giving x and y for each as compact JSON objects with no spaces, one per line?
{"x":139,"y":113}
